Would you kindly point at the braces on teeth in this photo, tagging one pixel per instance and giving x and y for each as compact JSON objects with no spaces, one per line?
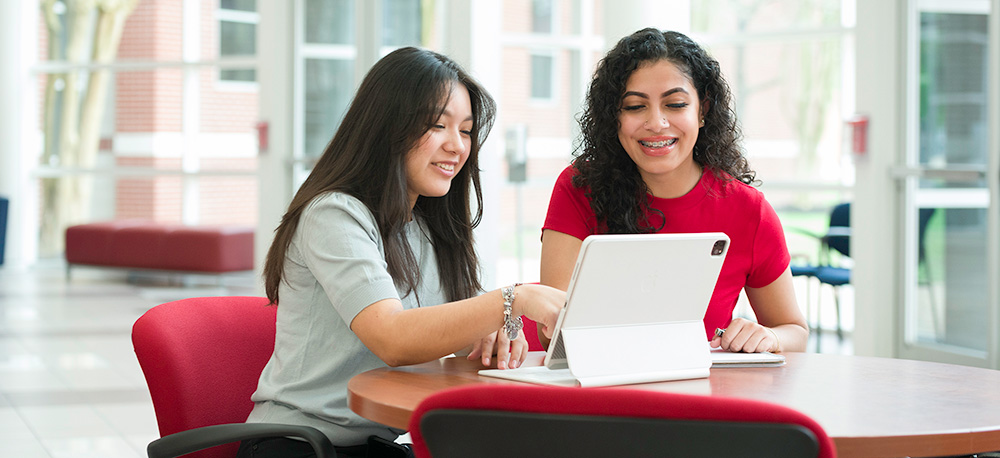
{"x":659,"y":144}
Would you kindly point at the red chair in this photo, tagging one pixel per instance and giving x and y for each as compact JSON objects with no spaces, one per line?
{"x":530,"y":331}
{"x":202,"y":358}
{"x":505,"y":420}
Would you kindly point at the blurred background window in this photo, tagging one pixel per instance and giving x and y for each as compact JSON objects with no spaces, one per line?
{"x":238,"y":35}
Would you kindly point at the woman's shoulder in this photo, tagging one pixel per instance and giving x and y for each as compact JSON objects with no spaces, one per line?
{"x":335,"y":199}
{"x":568,"y":173}
{"x":565,"y":183}
{"x":570,"y":176}
{"x":334,"y":206}
{"x":724,"y":184}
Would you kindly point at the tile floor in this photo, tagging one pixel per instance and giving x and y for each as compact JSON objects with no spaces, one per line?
{"x":69,"y":382}
{"x":70,"y":385}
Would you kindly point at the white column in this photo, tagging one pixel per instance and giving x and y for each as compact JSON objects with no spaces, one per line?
{"x":880,"y":56}
{"x":275,"y":60}
{"x":471,"y":36}
{"x":367,"y":36}
{"x":18,"y":43}
{"x":191,"y":113}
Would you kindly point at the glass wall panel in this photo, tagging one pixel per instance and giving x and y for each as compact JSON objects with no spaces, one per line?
{"x":330,"y":60}
{"x":952,"y":291}
{"x":237,"y":39}
{"x":784,"y":62}
{"x":401,"y":23}
{"x":787,"y":97}
{"x":241,"y":5}
{"x":328,"y":91}
{"x":765,"y":16}
{"x":788,"y":64}
{"x":329,"y":21}
{"x":543,"y":45}
{"x":542,"y":16}
{"x":541,"y":76}
{"x":953,"y":84}
{"x":161,"y":140}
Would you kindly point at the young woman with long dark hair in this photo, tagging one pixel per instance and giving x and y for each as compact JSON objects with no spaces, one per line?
{"x":373,"y":264}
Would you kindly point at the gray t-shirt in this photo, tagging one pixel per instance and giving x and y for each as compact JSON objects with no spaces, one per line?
{"x":334,"y":268}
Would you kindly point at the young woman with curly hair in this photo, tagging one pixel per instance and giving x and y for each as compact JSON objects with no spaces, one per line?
{"x":373,"y":264}
{"x":660,"y":153}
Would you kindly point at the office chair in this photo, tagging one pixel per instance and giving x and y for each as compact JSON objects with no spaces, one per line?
{"x":505,"y":420}
{"x":837,"y":239}
{"x":202,"y":358}
{"x":808,"y":270}
{"x":530,"y":331}
{"x":827,"y":270}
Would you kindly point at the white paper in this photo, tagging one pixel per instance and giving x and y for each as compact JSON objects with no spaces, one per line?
{"x":722,"y":358}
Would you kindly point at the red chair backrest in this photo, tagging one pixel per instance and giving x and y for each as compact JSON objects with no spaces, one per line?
{"x":530,"y":331}
{"x":610,"y":402}
{"x":202,"y":358}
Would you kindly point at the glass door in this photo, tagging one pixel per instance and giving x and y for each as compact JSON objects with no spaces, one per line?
{"x":948,"y":182}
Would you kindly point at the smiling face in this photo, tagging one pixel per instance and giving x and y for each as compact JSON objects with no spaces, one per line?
{"x":443,"y":149}
{"x":658,"y":126}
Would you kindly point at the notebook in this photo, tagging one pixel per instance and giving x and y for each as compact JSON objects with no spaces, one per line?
{"x":633,"y":312}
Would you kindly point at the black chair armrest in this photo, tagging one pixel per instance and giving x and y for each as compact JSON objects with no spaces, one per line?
{"x":184,"y":442}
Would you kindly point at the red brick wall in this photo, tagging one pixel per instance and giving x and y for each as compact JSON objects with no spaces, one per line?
{"x":223,"y":199}
{"x":150,"y":198}
{"x":229,"y":200}
{"x":150,"y":102}
{"x":223,"y":109}
{"x":544,"y":119}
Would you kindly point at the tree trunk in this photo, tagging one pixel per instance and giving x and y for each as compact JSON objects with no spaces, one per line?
{"x":107,"y":36}
{"x":66,"y":199}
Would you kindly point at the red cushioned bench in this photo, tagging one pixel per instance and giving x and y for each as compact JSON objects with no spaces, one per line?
{"x":156,"y":246}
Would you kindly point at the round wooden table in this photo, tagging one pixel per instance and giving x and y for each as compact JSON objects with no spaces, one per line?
{"x":872,"y":407}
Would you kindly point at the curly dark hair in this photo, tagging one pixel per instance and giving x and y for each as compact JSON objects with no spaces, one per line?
{"x":618,"y":195}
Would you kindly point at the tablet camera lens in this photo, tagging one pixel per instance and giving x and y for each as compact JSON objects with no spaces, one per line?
{"x":719,"y":247}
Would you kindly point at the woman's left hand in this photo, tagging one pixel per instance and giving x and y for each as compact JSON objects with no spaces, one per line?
{"x":746,"y":336}
{"x":509,"y":353}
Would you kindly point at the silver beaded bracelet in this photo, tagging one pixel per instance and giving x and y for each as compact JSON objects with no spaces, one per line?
{"x":511,"y":325}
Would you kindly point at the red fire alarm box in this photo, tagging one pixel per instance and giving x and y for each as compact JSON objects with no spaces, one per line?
{"x":262,"y":136}
{"x":859,"y":134}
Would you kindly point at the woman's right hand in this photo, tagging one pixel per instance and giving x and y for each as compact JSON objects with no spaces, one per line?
{"x":540,"y":303}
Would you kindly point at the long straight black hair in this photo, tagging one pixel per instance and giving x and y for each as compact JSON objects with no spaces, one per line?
{"x":400,"y":98}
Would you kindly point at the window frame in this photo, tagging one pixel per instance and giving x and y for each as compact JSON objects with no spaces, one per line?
{"x":551,"y":83}
{"x":223,"y":15}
